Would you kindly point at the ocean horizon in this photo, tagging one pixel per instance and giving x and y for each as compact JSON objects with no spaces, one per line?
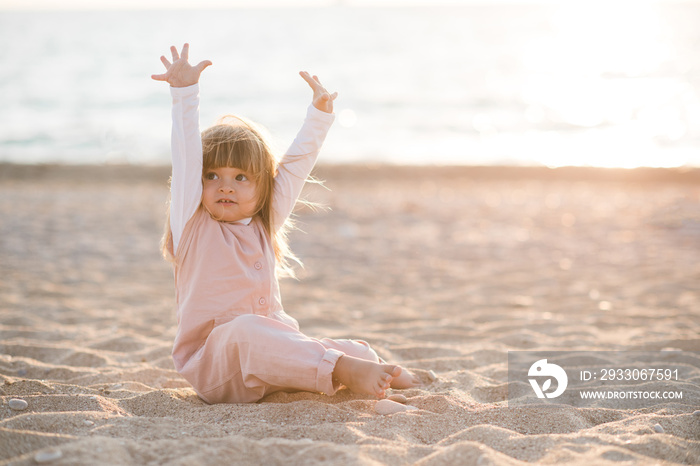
{"x":553,"y":85}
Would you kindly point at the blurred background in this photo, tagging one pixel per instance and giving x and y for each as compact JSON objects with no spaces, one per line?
{"x":600,"y":83}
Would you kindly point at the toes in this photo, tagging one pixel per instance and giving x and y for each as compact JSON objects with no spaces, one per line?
{"x":393,"y":371}
{"x":378,"y":390}
{"x":385,"y":383}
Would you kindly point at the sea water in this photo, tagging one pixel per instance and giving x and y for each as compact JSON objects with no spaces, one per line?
{"x":576,"y":83}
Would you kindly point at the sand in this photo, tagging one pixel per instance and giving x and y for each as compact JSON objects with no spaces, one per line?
{"x":440,"y":269}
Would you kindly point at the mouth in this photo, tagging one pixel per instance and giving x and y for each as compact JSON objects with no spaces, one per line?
{"x":226,"y":202}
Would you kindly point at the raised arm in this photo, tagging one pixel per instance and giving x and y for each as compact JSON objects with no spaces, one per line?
{"x":301,"y":156}
{"x":186,"y":142}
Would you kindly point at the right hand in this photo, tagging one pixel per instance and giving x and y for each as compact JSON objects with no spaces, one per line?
{"x":180,"y":73}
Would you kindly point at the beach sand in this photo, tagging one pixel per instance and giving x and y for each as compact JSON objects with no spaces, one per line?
{"x":440,"y":269}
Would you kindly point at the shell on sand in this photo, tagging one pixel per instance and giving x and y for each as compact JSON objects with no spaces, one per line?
{"x":18,"y":404}
{"x":397,"y":397}
{"x":387,"y":406}
{"x":48,"y":456}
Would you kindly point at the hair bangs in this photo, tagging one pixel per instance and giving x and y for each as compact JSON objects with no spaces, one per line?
{"x":234,"y":142}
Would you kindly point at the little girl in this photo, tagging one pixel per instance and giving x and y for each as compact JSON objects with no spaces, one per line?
{"x":230,"y":200}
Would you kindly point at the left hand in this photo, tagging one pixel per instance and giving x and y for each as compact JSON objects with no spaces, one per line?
{"x":322,"y":99}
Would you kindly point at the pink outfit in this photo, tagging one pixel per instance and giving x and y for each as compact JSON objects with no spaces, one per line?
{"x":234,"y":342}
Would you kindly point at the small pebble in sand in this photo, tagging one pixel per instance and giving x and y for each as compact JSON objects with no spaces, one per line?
{"x":399,"y":398}
{"x":432,"y":376}
{"x":658,"y":429}
{"x":385,"y":407}
{"x":18,"y":404}
{"x":696,"y":413}
{"x":88,"y":423}
{"x":47,"y":456}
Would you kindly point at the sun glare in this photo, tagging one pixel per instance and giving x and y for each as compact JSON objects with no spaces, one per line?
{"x":598,"y":74}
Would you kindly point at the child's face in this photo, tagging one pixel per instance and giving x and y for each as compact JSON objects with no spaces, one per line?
{"x":229,"y":194}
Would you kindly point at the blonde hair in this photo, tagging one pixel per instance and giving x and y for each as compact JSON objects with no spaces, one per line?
{"x":236,"y":142}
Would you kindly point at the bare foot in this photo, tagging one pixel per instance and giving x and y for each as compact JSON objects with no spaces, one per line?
{"x":405,"y":380}
{"x":366,"y":377}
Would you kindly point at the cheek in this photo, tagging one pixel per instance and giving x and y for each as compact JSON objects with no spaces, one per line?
{"x":252,"y":193}
{"x":209,"y":192}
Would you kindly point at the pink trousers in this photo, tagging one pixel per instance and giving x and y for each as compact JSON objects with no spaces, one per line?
{"x":252,"y":356}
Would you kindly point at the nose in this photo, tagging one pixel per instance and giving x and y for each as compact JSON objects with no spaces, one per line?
{"x":226,"y":188}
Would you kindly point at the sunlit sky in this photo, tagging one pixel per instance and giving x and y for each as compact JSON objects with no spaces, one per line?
{"x":159,"y":4}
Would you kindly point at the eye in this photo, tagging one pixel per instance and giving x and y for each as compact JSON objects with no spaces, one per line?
{"x":211,"y":176}
{"x":241,"y":177}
